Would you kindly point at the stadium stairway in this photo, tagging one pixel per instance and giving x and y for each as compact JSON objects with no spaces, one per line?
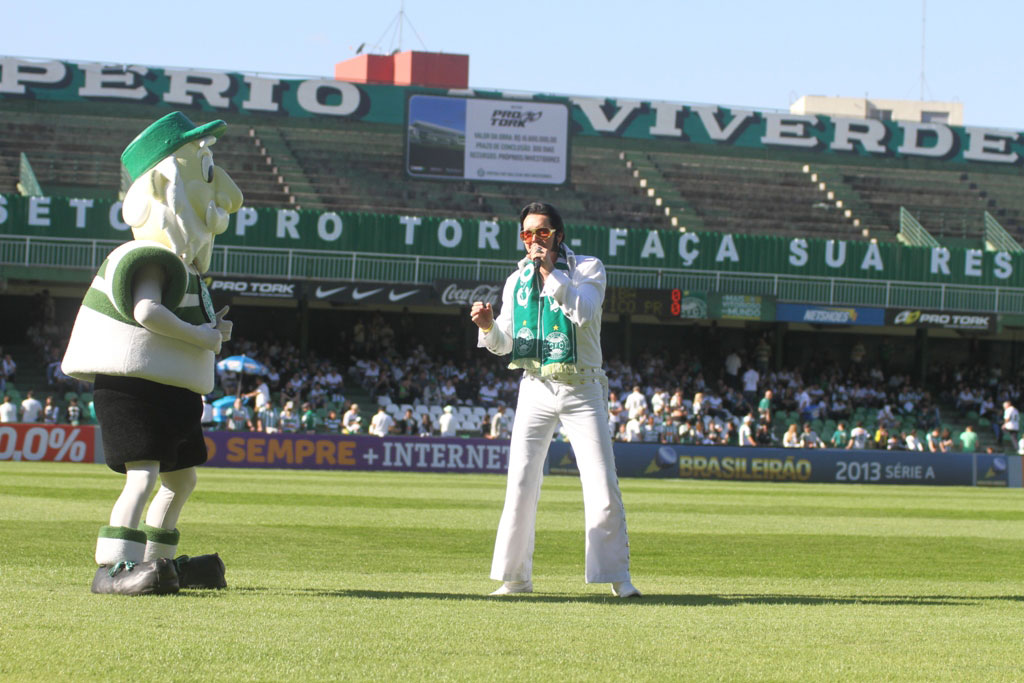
{"x":1002,"y":198}
{"x":286,"y":167}
{"x":663,"y":194}
{"x":830,"y":182}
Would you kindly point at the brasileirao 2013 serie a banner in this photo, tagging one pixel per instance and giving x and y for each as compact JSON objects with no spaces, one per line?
{"x":732,"y":463}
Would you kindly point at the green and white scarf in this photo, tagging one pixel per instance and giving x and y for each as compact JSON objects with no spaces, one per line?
{"x":544,"y":337}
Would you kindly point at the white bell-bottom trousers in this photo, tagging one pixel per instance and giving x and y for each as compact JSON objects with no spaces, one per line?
{"x":582,"y":408}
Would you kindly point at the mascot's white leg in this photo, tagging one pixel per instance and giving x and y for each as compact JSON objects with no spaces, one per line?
{"x":122,"y":541}
{"x":204,"y":571}
{"x":162,"y":517}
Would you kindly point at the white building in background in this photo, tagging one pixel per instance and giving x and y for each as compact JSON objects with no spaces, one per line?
{"x":950,"y":113}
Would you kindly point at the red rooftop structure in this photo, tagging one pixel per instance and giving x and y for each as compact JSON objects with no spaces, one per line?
{"x":428,"y":69}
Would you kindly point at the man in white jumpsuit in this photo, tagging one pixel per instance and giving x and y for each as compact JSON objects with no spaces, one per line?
{"x":551,"y":323}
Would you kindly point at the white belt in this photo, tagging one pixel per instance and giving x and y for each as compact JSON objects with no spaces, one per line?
{"x":581,"y":376}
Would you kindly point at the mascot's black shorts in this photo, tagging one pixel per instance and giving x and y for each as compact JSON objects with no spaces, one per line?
{"x":144,"y":420}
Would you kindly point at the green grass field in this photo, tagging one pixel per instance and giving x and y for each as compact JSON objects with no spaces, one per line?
{"x":384,"y":576}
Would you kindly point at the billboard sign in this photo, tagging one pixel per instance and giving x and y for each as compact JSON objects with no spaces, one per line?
{"x":744,"y":307}
{"x":829,"y":315}
{"x":255,"y":287}
{"x":344,"y":452}
{"x":51,"y":443}
{"x":370,"y":293}
{"x":348,"y":234}
{"x":825,"y":465}
{"x":949,"y":320}
{"x":464,"y":293}
{"x":510,"y":141}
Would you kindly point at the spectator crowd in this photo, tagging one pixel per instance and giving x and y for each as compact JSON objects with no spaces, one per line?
{"x":657,"y":397}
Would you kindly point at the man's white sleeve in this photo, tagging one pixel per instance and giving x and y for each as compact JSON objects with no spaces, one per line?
{"x":499,"y":339}
{"x":580,"y":296}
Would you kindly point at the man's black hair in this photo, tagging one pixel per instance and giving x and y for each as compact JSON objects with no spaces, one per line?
{"x":543,"y":209}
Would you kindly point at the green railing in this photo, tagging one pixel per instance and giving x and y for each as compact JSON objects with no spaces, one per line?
{"x":28,"y":184}
{"x":996,"y":237}
{"x":912,"y":233}
{"x":86,"y":255}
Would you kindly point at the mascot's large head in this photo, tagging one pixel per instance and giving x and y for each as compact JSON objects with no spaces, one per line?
{"x":178,"y":197}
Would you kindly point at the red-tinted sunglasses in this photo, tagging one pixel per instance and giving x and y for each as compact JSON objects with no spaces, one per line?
{"x":540,"y":233}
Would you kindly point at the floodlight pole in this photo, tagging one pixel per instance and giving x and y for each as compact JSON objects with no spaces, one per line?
{"x":924,"y":9}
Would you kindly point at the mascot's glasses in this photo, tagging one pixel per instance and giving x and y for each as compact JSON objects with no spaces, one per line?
{"x":540,"y":233}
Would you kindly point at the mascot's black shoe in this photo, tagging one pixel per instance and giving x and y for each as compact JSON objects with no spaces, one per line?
{"x":158,"y":577}
{"x":202,"y":571}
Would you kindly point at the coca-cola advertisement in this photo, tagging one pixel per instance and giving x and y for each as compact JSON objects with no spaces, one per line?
{"x":465,"y":292}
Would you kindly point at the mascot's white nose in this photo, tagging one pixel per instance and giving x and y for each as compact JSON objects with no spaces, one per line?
{"x":216,"y":218}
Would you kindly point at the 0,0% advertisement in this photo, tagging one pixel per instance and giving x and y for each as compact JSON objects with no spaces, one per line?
{"x":55,"y":443}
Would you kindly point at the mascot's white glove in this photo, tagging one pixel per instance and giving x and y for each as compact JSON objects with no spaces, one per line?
{"x":224,"y":326}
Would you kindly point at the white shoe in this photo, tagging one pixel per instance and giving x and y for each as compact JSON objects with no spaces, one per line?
{"x":510,"y":587}
{"x":625,"y":589}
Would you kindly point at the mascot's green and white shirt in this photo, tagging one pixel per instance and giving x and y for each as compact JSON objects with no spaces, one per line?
{"x":107,"y":339}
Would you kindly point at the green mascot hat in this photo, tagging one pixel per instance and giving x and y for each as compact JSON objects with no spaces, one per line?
{"x":162,"y":138}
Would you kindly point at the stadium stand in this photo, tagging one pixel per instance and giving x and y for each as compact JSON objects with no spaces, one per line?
{"x":359,"y":167}
{"x":71,"y":155}
{"x":1001,"y":196}
{"x":939,"y":200}
{"x":950,"y":398}
{"x":355,"y":166}
{"x":747,"y":195}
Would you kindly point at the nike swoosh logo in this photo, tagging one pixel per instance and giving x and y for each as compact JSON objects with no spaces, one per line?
{"x":322,"y":293}
{"x":357,"y":295}
{"x":398,"y":297}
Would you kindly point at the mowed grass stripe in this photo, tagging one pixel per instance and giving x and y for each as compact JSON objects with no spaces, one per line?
{"x":299,"y":500}
{"x":428,"y":500}
{"x":673,"y":495}
{"x":560,"y":552}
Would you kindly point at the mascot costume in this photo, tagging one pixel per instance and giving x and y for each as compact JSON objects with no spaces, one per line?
{"x":146,"y":336}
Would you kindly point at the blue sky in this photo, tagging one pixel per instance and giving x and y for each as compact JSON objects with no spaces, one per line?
{"x":760,"y":55}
